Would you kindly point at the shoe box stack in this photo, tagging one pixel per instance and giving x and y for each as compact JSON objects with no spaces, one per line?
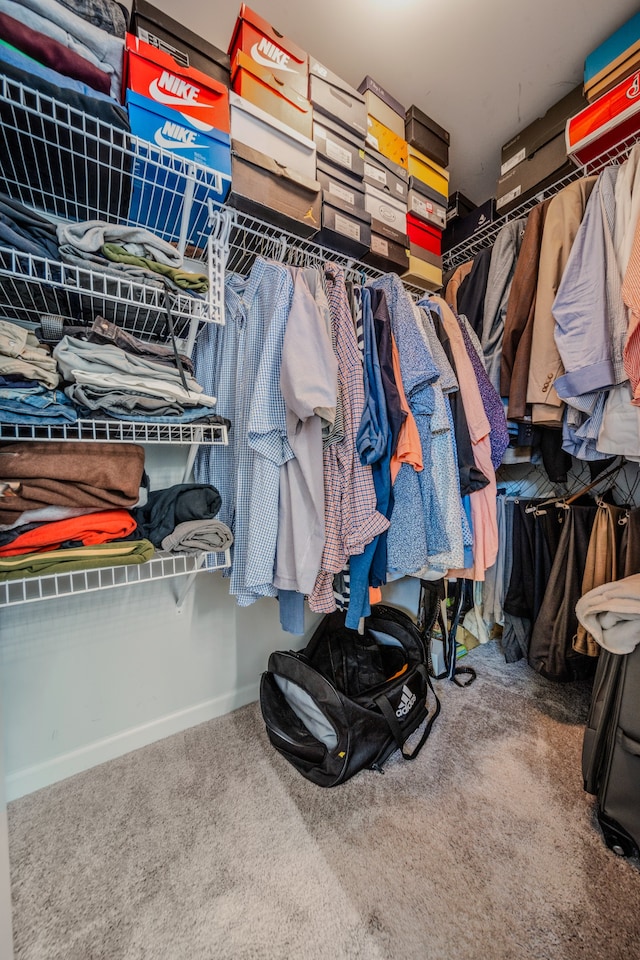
{"x":339,"y":128}
{"x":273,"y":154}
{"x":536,"y":156}
{"x":176,"y":92}
{"x":427,"y":201}
{"x":612,"y":89}
{"x":466,"y":220}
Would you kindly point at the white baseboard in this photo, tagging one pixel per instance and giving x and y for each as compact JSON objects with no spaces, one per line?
{"x":41,"y":775}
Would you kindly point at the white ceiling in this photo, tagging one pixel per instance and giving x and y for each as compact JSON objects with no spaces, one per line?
{"x":483,"y":69}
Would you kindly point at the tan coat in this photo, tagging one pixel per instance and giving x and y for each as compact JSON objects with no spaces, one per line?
{"x":563,"y":218}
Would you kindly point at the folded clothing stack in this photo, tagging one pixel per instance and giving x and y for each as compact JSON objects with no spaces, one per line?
{"x":181,"y":519}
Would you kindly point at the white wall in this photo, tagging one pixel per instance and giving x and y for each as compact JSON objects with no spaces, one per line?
{"x":89,"y":677}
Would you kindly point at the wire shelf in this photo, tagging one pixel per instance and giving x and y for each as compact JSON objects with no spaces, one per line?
{"x":469,"y":248}
{"x":73,"y":166}
{"x":160,"y":567}
{"x":119,"y":431}
{"x":31,"y":286}
{"x":251,"y":237}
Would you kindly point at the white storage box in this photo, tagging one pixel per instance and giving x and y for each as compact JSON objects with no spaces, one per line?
{"x":385,"y":208}
{"x":259,"y":130}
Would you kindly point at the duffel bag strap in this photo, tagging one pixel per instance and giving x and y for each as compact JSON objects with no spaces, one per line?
{"x":389,"y":714}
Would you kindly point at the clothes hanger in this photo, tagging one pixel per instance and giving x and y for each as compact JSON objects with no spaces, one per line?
{"x":566,"y":501}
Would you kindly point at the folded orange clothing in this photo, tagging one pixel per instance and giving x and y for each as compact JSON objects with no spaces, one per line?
{"x":88,"y":529}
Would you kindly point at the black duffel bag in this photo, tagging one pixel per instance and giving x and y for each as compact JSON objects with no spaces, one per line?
{"x":349,"y":700}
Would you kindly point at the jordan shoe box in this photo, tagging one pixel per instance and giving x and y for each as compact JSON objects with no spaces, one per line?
{"x":334,"y":98}
{"x":270,"y":48}
{"x":260,"y":86}
{"x":185,"y":47}
{"x":265,"y":189}
{"x":199,"y":100}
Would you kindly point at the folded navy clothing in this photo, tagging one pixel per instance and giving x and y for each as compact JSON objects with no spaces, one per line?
{"x":25,"y":230}
{"x":165,"y":509}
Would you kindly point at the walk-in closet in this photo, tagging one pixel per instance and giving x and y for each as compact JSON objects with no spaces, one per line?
{"x":319,"y":480}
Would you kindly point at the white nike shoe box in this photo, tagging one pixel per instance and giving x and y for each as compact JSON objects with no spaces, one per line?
{"x":263,"y":132}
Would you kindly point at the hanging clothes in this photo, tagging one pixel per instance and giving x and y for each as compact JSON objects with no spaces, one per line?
{"x":471,"y":299}
{"x":503,"y":259}
{"x":601,"y":564}
{"x":564,"y":215}
{"x":455,"y":282}
{"x":351,"y":518}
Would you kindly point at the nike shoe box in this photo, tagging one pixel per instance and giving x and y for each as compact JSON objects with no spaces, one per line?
{"x":385,"y":254}
{"x":614,"y":59}
{"x":421,"y":273}
{"x":386,"y":141}
{"x":260,"y":86}
{"x":613,"y":118}
{"x":198,"y":100}
{"x":427,"y":203}
{"x":382,"y":106}
{"x":339,"y":146}
{"x":424,"y":235}
{"x":427,"y":136}
{"x":386,"y":208}
{"x":265,"y":133}
{"x":185,"y":47}
{"x":334,"y":98}
{"x":159,"y":184}
{"x":270,"y":48}
{"x":340,"y":185}
{"x":546,"y":128}
{"x":459,"y":206}
{"x":432,"y":174}
{"x":542,"y":169}
{"x":385,"y":175}
{"x":461,"y":229}
{"x":263,"y":188}
{"x":346,"y":231}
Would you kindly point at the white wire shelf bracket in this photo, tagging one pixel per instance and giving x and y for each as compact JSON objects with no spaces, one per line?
{"x":469,"y":248}
{"x":160,"y":567}
{"x":31,"y":286}
{"x":59,"y":160}
{"x":118,"y":431}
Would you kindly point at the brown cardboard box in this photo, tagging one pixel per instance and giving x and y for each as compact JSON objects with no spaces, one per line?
{"x":386,"y":255}
{"x":546,"y":128}
{"x":543,"y":168}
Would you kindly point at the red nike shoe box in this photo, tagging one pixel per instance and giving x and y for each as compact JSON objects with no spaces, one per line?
{"x":261,"y":87}
{"x":608,"y":121}
{"x":270,"y":48}
{"x":202,"y":102}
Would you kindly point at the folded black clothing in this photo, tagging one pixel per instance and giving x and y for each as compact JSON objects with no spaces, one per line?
{"x":25,"y":230}
{"x":165,"y":509}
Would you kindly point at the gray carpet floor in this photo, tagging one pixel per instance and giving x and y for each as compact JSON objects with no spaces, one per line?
{"x":209,"y":846}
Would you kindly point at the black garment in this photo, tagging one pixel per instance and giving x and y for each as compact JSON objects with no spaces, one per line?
{"x":629,"y":553}
{"x":551,"y":650}
{"x":72,"y":166}
{"x":471,"y":478}
{"x":555,"y":460}
{"x":165,"y":509}
{"x":470,"y":298}
{"x":535,"y":541}
{"x":382,"y":327}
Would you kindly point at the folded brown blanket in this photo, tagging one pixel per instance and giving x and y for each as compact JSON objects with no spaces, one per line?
{"x":69,"y":474}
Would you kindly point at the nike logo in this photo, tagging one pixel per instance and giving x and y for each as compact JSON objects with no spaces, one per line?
{"x":274,"y":56}
{"x":174,"y":137}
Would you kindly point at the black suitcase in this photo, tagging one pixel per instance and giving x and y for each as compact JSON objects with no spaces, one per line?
{"x":611,"y":750}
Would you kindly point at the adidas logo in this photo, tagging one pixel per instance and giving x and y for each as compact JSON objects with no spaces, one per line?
{"x":266,"y":53}
{"x":407,"y":700}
